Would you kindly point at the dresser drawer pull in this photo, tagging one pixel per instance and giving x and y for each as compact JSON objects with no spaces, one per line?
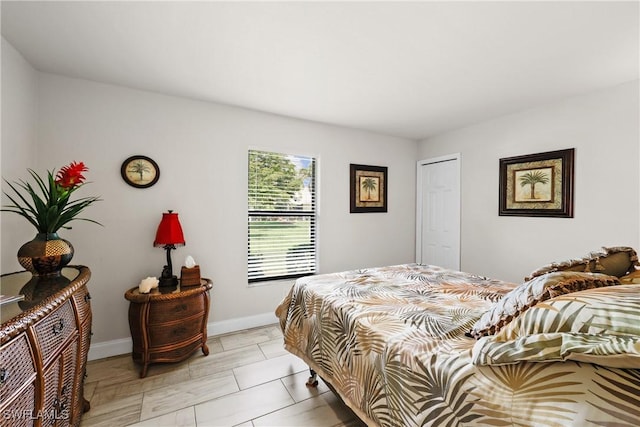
{"x":58,"y":327}
{"x":180,"y":307}
{"x":59,"y":405}
{"x":4,"y":375}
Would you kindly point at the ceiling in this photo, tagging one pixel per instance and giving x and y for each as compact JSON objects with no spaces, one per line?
{"x":410,"y":69}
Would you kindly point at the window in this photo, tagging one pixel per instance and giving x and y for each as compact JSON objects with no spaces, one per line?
{"x":282,"y":216}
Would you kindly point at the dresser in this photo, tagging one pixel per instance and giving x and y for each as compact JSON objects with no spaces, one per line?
{"x":169,"y":323}
{"x":44,"y":343}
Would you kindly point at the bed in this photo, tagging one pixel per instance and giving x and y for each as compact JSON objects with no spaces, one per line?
{"x":415,"y":345}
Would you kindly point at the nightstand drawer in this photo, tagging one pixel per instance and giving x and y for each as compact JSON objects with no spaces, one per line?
{"x":53,"y":330}
{"x":163,"y":311}
{"x":174,"y":333}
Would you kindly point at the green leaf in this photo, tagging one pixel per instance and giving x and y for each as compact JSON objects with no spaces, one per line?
{"x":46,"y":205}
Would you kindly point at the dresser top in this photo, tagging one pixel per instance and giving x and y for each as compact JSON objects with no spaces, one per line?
{"x":36,"y":292}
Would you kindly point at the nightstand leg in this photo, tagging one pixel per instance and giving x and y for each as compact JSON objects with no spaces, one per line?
{"x":143,"y":373}
{"x":205,"y":349}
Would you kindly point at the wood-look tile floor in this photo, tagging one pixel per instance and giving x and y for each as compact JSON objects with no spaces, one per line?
{"x":248,"y":379}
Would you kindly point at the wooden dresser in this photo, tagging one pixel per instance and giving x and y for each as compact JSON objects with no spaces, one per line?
{"x":44,"y":344}
{"x":169,"y":323}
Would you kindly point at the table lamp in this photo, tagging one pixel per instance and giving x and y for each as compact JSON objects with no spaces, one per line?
{"x":169,"y":235}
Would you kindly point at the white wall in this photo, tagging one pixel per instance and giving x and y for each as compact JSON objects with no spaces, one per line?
{"x":201,"y":149}
{"x":19,"y":119}
{"x":603,"y":127}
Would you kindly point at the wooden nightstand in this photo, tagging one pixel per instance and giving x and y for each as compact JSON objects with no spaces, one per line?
{"x":168,"y":324}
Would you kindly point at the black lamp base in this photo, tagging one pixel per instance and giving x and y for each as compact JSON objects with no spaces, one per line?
{"x":168,"y":281}
{"x":167,"y":278}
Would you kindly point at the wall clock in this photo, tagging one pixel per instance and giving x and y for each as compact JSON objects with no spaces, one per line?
{"x":140,"y":171}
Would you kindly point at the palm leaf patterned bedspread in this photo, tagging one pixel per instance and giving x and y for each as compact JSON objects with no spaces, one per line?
{"x":391,"y":342}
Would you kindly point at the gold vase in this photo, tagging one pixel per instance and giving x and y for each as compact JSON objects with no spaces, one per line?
{"x":46,"y":254}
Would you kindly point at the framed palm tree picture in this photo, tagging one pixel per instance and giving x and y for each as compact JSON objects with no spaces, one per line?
{"x":537,"y":184}
{"x":368,"y":188}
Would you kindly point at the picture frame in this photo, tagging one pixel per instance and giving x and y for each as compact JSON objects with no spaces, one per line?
{"x":538,"y":185}
{"x":140,"y":171}
{"x":368,"y":188}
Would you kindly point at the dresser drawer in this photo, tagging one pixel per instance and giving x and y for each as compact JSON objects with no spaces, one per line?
{"x":18,"y":412}
{"x":51,"y":385}
{"x":66,"y":400}
{"x":163,"y":311}
{"x":16,"y":366}
{"x":81,"y":300}
{"x":174,"y":333}
{"x":52,"y":331}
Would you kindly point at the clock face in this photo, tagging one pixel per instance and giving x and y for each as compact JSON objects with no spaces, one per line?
{"x":140,"y":171}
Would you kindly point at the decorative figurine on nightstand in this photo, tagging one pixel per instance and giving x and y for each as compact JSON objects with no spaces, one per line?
{"x":169,"y":235}
{"x":147,"y":284}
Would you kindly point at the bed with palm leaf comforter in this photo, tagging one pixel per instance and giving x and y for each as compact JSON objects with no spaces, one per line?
{"x":414,"y":345}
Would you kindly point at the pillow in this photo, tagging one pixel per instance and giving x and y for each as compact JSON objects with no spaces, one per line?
{"x":597,"y":326}
{"x":606,"y":350}
{"x":611,"y":310}
{"x":530,"y":293}
{"x":614,"y":261}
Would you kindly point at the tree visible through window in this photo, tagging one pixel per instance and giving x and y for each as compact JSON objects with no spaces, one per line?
{"x":282,"y":216}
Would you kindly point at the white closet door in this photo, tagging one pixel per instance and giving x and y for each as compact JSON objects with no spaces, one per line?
{"x":438,"y":216}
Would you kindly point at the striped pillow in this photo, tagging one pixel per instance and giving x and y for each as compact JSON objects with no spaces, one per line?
{"x":530,"y":293}
{"x":599,"y":326}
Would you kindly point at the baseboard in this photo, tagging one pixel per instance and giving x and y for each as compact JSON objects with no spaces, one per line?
{"x":101,"y":350}
{"x":117,"y":347}
{"x":238,"y":324}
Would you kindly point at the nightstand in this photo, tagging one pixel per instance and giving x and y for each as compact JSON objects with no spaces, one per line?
{"x":169,"y":323}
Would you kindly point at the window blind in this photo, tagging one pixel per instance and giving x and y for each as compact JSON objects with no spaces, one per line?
{"x":281,"y":216}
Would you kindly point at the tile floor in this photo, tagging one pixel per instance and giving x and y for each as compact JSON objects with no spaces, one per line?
{"x":247,"y":380}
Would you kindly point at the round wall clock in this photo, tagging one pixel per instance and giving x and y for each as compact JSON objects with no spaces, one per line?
{"x":140,"y":171}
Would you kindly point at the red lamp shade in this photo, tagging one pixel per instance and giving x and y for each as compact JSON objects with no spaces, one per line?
{"x":169,"y":231}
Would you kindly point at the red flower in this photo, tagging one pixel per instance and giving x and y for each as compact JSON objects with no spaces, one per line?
{"x":71,"y":175}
